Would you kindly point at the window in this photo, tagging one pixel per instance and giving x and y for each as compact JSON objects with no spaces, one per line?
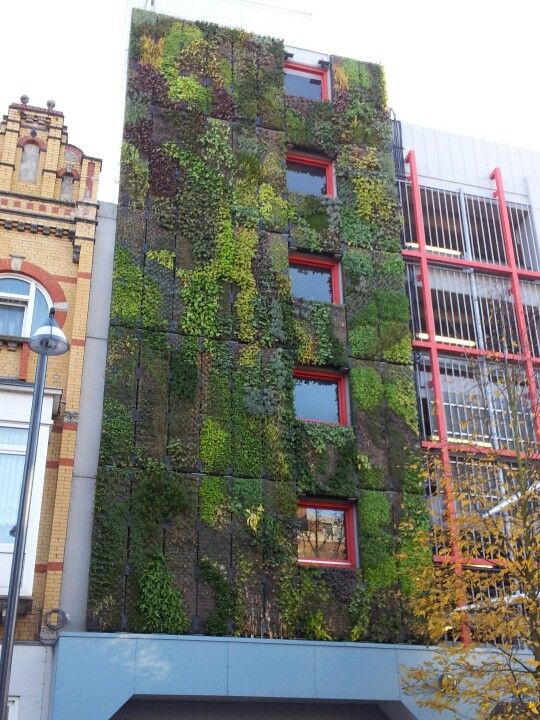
{"x":310,"y":175}
{"x":320,"y":396}
{"x":327,"y":531}
{"x":12,"y":453}
{"x":66,"y":188}
{"x":306,"y":81}
{"x":315,"y":278}
{"x":29,"y":162}
{"x":24,"y":306}
{"x":15,"y":403}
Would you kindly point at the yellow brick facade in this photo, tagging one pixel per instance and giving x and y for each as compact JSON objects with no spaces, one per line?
{"x":50,"y":240}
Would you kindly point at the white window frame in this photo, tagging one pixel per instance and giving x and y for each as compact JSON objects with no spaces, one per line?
{"x":27,"y":301}
{"x":19,"y":450}
{"x":13,"y":708}
{"x":15,"y":404}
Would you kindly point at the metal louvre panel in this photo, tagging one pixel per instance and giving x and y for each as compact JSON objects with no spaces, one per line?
{"x":476,"y":402}
{"x":524,"y":237}
{"x":469,"y":226}
{"x":530,"y":293}
{"x":470,"y":309}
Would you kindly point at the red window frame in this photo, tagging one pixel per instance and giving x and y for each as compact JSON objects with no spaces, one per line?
{"x":319,"y":71}
{"x":310,"y":261}
{"x":316,"y":161}
{"x":350,"y":531}
{"x":334,"y":376}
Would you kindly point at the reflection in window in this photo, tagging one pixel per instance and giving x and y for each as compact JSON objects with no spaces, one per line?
{"x":306,"y":179}
{"x":12,"y":452}
{"x":29,"y":162}
{"x":311,"y":283}
{"x":301,"y":83}
{"x":316,"y":400}
{"x":322,"y":534}
{"x":23,"y":307}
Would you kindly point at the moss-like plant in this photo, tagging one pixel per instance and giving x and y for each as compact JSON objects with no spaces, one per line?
{"x":367,"y":388}
{"x":376,"y":541}
{"x":213,"y":500}
{"x":219,"y":620}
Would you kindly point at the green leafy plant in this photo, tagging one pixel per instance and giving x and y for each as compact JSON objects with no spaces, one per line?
{"x":159,"y":602}
{"x":218,"y":621}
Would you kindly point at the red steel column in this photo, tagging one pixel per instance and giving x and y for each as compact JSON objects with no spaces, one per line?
{"x":435,"y":373}
{"x":518,"y":302}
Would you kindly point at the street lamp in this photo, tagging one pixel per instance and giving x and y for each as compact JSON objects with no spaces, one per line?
{"x":46,"y":340}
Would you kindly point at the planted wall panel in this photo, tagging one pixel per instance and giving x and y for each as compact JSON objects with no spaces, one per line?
{"x":203,"y":458}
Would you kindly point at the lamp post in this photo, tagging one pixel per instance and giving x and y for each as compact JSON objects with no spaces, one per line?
{"x":47,"y":340}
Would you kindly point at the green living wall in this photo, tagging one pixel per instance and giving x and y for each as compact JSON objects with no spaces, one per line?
{"x":202,"y":458}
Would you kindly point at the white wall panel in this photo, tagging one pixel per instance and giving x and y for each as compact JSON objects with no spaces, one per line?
{"x":445,"y":160}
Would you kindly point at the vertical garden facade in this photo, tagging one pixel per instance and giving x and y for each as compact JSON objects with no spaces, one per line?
{"x":259,"y":472}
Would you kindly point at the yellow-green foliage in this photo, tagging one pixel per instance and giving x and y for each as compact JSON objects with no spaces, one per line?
{"x":187,"y":89}
{"x":180,"y":36}
{"x":134,"y":174}
{"x":214,"y":501}
{"x":165,"y":258}
{"x":273,"y":208}
{"x":366,"y":388}
{"x":376,"y":547}
{"x":203,"y":287}
{"x":151,"y":51}
{"x":372,"y":199}
{"x":201,"y":294}
{"x":214,"y":445}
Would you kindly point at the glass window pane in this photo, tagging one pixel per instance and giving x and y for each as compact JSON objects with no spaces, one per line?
{"x":303,"y":85}
{"x":311,"y":283}
{"x":306,"y":179}
{"x":316,"y":400}
{"x":322,"y":534}
{"x":11,"y":319}
{"x":14,"y":286}
{"x":41,"y":310}
{"x":11,"y":472}
{"x":12,"y":437}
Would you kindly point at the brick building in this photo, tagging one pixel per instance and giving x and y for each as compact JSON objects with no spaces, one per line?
{"x":48,"y":217}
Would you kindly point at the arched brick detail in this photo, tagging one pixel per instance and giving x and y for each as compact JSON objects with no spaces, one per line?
{"x":75,"y":151}
{"x":64,"y":171}
{"x":21,"y":142}
{"x":49,"y":282}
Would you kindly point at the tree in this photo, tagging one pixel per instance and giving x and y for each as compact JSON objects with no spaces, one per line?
{"x":480,"y":603}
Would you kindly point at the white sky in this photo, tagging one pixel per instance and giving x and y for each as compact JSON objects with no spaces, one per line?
{"x":467,"y":66}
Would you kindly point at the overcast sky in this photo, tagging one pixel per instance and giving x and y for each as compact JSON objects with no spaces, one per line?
{"x":468,"y":66}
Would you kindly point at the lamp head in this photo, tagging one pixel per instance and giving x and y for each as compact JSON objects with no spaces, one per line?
{"x":49,"y":339}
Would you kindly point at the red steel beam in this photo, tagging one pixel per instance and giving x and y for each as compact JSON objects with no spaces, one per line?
{"x":431,"y":344}
{"x":467,"y":448}
{"x":490,"y":268}
{"x":467,"y":351}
